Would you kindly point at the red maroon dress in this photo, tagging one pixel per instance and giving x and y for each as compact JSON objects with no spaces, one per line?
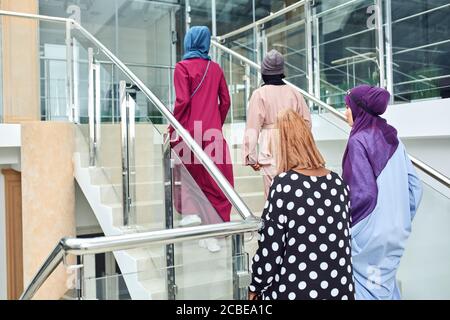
{"x":206,"y":111}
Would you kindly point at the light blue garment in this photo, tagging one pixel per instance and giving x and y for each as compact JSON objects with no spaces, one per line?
{"x":378,"y":241}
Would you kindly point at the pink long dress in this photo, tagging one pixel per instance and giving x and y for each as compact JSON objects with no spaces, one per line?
{"x":203,"y":116}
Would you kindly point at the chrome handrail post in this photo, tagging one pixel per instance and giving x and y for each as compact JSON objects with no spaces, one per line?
{"x":316,"y":57}
{"x":309,"y":48}
{"x":388,"y":41}
{"x":241,"y":275}
{"x":233,"y":88}
{"x":81,"y":282}
{"x":247,"y":86}
{"x":379,"y":36}
{"x":124,"y":118}
{"x":47,"y":83}
{"x":69,"y":74}
{"x":91,"y":108}
{"x":87,"y":278}
{"x":169,"y":184}
{"x":98,"y":109}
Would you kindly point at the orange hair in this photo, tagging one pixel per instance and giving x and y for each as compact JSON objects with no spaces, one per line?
{"x":296,"y":146}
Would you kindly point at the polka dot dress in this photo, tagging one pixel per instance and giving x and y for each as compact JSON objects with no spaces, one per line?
{"x":305,"y":247}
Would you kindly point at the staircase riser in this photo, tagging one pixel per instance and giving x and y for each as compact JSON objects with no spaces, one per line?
{"x":249,"y":184}
{"x":255,"y":203}
{"x":143,"y":192}
{"x":214,"y":291}
{"x":153,"y":214}
{"x":116,"y":161}
{"x":103,"y":176}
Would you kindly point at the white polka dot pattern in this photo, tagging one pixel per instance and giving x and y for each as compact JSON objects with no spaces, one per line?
{"x":304,"y":247}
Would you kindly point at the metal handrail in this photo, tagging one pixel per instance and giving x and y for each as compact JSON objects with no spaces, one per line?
{"x":34,"y":16}
{"x":441,"y":178}
{"x":205,"y":160}
{"x":79,"y":247}
{"x":131,"y":64}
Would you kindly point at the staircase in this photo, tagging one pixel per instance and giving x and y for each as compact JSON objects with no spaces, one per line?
{"x":144,"y":270}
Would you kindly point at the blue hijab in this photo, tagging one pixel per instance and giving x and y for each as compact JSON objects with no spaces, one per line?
{"x":196,"y":43}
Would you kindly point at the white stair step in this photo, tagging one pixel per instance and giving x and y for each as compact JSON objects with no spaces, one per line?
{"x":197,"y":269}
{"x":248,"y":184}
{"x":143,"y":191}
{"x":239,"y":170}
{"x":254,"y":200}
{"x":113,"y":175}
{"x":186,"y":254}
{"x":194,"y":286}
{"x":113,"y":158}
{"x":146,"y":212}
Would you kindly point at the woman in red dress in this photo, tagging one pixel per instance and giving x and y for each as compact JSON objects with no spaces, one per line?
{"x":201,"y":106}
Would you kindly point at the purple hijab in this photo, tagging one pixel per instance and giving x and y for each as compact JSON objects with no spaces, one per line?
{"x":371,"y":144}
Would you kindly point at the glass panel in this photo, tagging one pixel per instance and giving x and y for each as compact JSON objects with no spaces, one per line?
{"x":53,"y":66}
{"x":346,"y":49}
{"x":188,"y":198}
{"x":322,"y":6}
{"x":138,"y":32}
{"x":405,"y":8}
{"x":120,"y":138}
{"x":233,"y":14}
{"x":264,"y":8}
{"x":199,"y":274}
{"x":287,"y":35}
{"x":421,"y":42}
{"x":424,"y":271}
{"x":200,"y":13}
{"x":159,"y":79}
{"x":244,"y":43}
{"x":241,"y":83}
{"x":80,"y":83}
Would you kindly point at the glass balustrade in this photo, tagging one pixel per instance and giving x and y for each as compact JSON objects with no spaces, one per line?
{"x":53,"y":71}
{"x":195,"y":275}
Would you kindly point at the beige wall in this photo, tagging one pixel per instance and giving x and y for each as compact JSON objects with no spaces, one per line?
{"x":20,"y":55}
{"x":48,"y":198}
